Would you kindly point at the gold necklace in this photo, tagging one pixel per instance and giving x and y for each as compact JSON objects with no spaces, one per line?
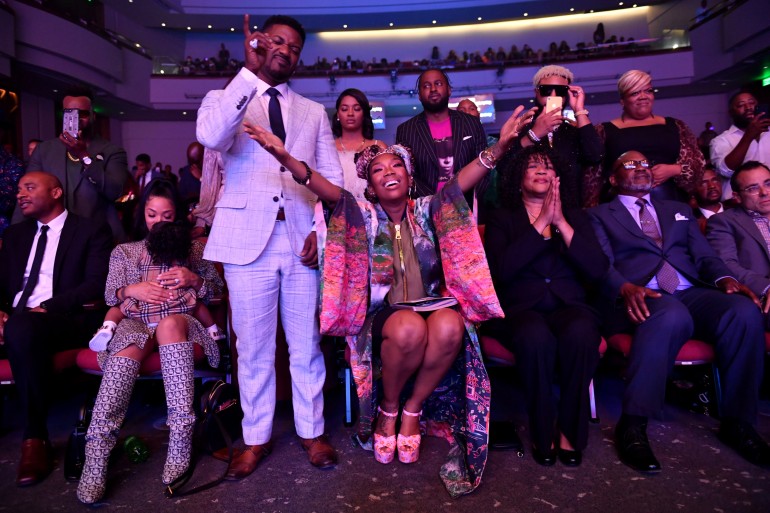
{"x":73,"y":159}
{"x":363,"y":141}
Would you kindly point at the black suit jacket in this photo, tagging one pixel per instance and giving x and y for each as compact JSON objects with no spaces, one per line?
{"x":525,"y":266}
{"x":80,"y":267}
{"x":635,"y":258}
{"x":468,"y":140}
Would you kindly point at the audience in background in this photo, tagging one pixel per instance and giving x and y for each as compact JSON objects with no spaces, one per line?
{"x":541,"y":254}
{"x":190,"y":175}
{"x":94,"y":171}
{"x":51,"y":263}
{"x":144,"y":172}
{"x":705,"y":138}
{"x":708,"y":195}
{"x":741,"y":236}
{"x":667,"y":142}
{"x":746,"y":139}
{"x":11,"y":169}
{"x":353,"y":131}
{"x":665,"y":285}
{"x":31,"y":145}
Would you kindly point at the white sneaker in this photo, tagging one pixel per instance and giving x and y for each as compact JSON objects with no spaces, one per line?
{"x":102,"y":337}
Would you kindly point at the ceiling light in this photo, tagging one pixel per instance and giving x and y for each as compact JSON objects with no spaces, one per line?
{"x":531,"y":101}
{"x":526,"y":14}
{"x":724,"y":83}
{"x":591,"y":10}
{"x":633,"y":5}
{"x":55,"y":90}
{"x":121,"y":112}
{"x":162,"y":72}
{"x":434,"y":22}
{"x":232,"y":29}
{"x":184,"y":113}
{"x":391,"y":23}
{"x":210,"y":26}
{"x":571,"y":9}
{"x":414,"y":108}
{"x":189,"y":28}
{"x":675,"y":47}
{"x":479,"y":18}
{"x":162,"y":24}
{"x":345,"y":26}
{"x":255,"y":27}
{"x":655,"y":90}
{"x":620,"y":3}
{"x":138,"y":45}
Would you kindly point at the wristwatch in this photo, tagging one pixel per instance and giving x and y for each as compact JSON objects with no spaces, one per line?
{"x":87,"y":160}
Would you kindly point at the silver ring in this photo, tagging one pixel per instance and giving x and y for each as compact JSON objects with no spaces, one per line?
{"x":176,"y":281}
{"x":254,"y":43}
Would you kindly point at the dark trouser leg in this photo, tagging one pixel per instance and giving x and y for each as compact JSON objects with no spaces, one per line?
{"x":736,"y":328}
{"x":656,"y":343}
{"x":31,"y":339}
{"x":577,"y":333}
{"x":534,"y":345}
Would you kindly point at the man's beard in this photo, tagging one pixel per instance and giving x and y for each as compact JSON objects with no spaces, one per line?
{"x":741,"y":122}
{"x":435,"y":108}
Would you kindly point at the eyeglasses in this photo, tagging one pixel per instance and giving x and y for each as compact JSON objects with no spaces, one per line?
{"x":649,"y":92}
{"x":754,"y":190}
{"x":633,"y":164}
{"x":547,"y":90}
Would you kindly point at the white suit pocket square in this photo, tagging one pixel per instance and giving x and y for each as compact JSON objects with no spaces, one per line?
{"x":680,"y":217}
{"x":467,"y":137}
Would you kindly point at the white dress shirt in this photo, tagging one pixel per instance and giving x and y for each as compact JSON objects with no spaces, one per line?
{"x":724,"y":143}
{"x":264,"y":99}
{"x":44,"y":288}
{"x":708,"y":213}
{"x":630,"y":203}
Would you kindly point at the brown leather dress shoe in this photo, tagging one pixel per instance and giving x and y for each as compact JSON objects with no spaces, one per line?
{"x":246,"y":462}
{"x":320,"y":452}
{"x":36,"y":462}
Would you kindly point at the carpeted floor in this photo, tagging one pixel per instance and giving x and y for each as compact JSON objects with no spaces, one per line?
{"x":699,"y":473}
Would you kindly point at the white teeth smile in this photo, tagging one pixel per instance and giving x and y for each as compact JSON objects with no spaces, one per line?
{"x":391,"y":183}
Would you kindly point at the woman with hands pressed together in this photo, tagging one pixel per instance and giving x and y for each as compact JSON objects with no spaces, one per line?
{"x":158,"y":301}
{"x":540,"y":254}
{"x":392,"y":249}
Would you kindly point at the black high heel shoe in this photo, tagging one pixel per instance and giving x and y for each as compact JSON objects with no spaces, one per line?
{"x":570,"y":458}
{"x":546,"y":459}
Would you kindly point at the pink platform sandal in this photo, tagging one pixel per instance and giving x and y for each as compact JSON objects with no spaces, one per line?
{"x":409,"y":445}
{"x":385,"y":446}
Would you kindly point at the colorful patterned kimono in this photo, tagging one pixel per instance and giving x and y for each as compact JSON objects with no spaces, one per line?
{"x":357,"y":273}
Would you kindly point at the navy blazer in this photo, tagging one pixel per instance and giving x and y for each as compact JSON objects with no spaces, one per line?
{"x":80,"y":267}
{"x":635,"y":258}
{"x":468,"y":140}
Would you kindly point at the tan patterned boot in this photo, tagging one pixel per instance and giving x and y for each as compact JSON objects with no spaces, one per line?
{"x":109,"y":410}
{"x":177,"y":366}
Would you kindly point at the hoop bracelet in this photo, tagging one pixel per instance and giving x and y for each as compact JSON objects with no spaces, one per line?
{"x":583,"y":112}
{"x":486,"y":154}
{"x":306,"y":180}
{"x":532,"y":137}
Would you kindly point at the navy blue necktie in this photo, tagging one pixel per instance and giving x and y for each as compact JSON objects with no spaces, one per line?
{"x":274,"y":113}
{"x":34,"y":272}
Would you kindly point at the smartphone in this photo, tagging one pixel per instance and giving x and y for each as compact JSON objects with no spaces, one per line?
{"x":762,"y":109}
{"x":71,"y":122}
{"x":553,"y":103}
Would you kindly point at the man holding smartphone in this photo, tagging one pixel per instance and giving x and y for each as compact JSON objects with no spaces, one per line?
{"x":746,"y":140}
{"x":575,"y":146}
{"x":93,"y":171}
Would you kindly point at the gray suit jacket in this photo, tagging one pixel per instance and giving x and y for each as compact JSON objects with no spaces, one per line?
{"x":739,"y":243}
{"x":254,"y":180}
{"x":93,"y":191}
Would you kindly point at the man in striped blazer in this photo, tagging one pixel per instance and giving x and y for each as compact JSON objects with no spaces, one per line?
{"x":442,"y":141}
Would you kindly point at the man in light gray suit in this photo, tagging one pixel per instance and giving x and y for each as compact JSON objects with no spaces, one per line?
{"x":259,"y":233}
{"x":741,"y":236}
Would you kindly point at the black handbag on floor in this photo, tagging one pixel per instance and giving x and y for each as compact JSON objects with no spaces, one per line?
{"x":75,"y":455}
{"x":218,"y":426}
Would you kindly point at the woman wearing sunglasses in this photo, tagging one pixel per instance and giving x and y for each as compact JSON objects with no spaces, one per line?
{"x":670,"y":146}
{"x":575,"y":142}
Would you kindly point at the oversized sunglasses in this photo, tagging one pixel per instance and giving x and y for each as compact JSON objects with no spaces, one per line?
{"x":548,"y":90}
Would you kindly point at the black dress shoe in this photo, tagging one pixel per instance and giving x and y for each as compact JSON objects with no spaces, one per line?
{"x":570,"y":458}
{"x":744,"y":439}
{"x":546,"y":459}
{"x":634,"y":448}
